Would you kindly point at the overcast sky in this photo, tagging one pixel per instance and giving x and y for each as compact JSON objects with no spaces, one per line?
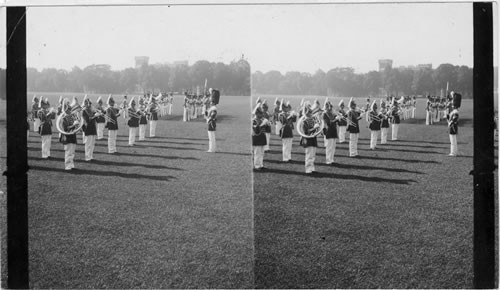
{"x":285,"y":38}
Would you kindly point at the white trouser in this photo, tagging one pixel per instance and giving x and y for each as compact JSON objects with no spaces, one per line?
{"x":278,"y":127}
{"x":125,"y":114}
{"x":170,"y":109}
{"x":413,"y":112}
{"x":454,"y":144}
{"x":342,"y":131}
{"x":353,"y":144}
{"x":89,"y":147}
{"x":36,"y":125}
{"x":268,"y":139}
{"x":100,"y":131}
{"x":46,"y":143}
{"x":395,"y":128}
{"x":142,"y":132}
{"x":185,"y":115}
{"x":112,"y":140}
{"x":212,"y":145}
{"x":69,"y":156}
{"x":152,"y":128}
{"x":310,"y":157}
{"x":132,"y":132}
{"x":258,"y":157}
{"x":383,"y":135}
{"x":330,"y":145}
{"x":373,"y":139}
{"x":287,"y":148}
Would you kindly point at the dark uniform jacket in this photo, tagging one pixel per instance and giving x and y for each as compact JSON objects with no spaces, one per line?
{"x":343,"y":121}
{"x":134,"y":120}
{"x":100,"y":119}
{"x":34,"y":111}
{"x":113,"y":115}
{"x":67,"y":123}
{"x":353,"y":126}
{"x":330,"y":129}
{"x":144,"y":119}
{"x":385,"y":120}
{"x":45,"y":123}
{"x":90,"y":123}
{"x":258,"y":136}
{"x":153,"y":111}
{"x":453,"y":122}
{"x":212,"y":120}
{"x":395,"y":115}
{"x":267,"y":128}
{"x":287,"y":120}
{"x":307,"y":127}
{"x":375,"y":121}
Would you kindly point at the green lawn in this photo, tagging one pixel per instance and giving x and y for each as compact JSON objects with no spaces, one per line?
{"x":163,"y":214}
{"x":397,"y":217}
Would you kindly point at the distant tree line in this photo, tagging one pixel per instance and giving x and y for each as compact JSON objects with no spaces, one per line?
{"x":231,"y":79}
{"x":346,"y":83}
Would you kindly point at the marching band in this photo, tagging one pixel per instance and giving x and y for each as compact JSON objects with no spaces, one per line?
{"x":312,"y":121}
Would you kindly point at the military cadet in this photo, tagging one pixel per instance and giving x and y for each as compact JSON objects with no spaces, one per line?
{"x":342,"y":122}
{"x":286,"y":118}
{"x":101,"y":119}
{"x":258,"y":137}
{"x":186,"y":116}
{"x":353,"y":117}
{"x":45,"y":115}
{"x":112,"y":115}
{"x":35,"y":107}
{"x":90,"y":128}
{"x":330,"y":131}
{"x":69,"y":140}
{"x":153,"y":113}
{"x":133,"y":122}
{"x":267,"y":128}
{"x":453,"y":123}
{"x":414,"y":107}
{"x":276,"y":113}
{"x":143,"y":120}
{"x":170,"y":103}
{"x":395,"y":118}
{"x":212,"y":124}
{"x":309,"y":143}
{"x":384,"y":126}
{"x":374,"y":121}
{"x":428,"y":111}
{"x":124,"y":107}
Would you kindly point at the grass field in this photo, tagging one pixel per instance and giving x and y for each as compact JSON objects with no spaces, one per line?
{"x":397,"y":217}
{"x":163,"y":214}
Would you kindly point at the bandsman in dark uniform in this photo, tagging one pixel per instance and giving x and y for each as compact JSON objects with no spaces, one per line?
{"x":267,"y":128}
{"x":353,"y":117}
{"x":35,"y":107}
{"x":309,"y":143}
{"x":286,"y":118}
{"x":186,"y":116}
{"x":69,"y":140}
{"x":90,"y":128}
{"x":330,"y":131}
{"x":143,"y":120}
{"x":100,"y":120}
{"x":384,"y":126}
{"x":124,"y":107}
{"x":395,"y":118}
{"x":342,"y":122}
{"x":374,"y":121}
{"x":453,"y":123}
{"x":112,"y":115}
{"x":45,"y":115}
{"x":428,"y":111}
{"x":212,"y":125}
{"x":258,"y":137}
{"x":133,"y":122}
{"x":153,"y":113}
{"x":276,"y":113}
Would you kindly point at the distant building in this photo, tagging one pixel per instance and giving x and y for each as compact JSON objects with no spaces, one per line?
{"x":141,"y":60}
{"x":417,"y":67}
{"x":425,"y":66}
{"x":177,"y":63}
{"x":384,"y":64}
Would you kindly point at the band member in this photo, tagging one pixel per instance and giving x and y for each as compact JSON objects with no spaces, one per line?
{"x":90,"y":128}
{"x":143,"y":120}
{"x":342,"y":122}
{"x":45,"y":115}
{"x":435,"y":109}
{"x":100,"y":120}
{"x":212,"y":124}
{"x":330,"y":131}
{"x":384,"y":126}
{"x":395,"y":117}
{"x":287,"y":118}
{"x":258,"y":137}
{"x":374,"y":120}
{"x":353,"y":117}
{"x":276,"y":114}
{"x":367,"y":108}
{"x":153,"y":113}
{"x":186,"y":116}
{"x":112,"y":115}
{"x":267,"y":128}
{"x":414,"y":107}
{"x":309,"y":143}
{"x":124,"y":107}
{"x":453,"y":123}
{"x":133,"y":122}
{"x":69,"y":140}
{"x":428,"y":111}
{"x":35,"y":107}
{"x":170,"y":103}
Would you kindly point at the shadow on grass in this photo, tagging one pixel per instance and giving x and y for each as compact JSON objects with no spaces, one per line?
{"x":124,"y":154}
{"x":234,"y":153}
{"x":340,"y":176}
{"x":141,"y":144}
{"x":350,"y":166}
{"x":383,"y":148}
{"x":111,"y":163}
{"x":92,"y":172}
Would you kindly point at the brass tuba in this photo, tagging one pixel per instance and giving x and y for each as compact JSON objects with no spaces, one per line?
{"x":75,"y":115}
{"x":316,"y":124}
